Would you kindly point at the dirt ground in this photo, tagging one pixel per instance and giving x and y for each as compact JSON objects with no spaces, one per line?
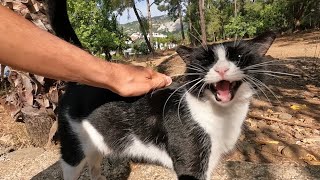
{"x":282,"y":127}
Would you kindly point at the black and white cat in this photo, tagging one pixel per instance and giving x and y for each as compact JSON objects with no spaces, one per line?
{"x":185,"y":127}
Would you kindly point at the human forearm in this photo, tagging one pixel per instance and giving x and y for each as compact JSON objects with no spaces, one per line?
{"x":26,"y":47}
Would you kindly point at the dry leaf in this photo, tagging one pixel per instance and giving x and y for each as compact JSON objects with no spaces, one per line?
{"x":298,"y":107}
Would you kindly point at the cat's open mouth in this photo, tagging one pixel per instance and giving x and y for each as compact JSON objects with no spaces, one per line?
{"x":224,"y":91}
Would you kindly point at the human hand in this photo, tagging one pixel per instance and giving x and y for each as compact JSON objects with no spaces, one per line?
{"x":129,"y":80}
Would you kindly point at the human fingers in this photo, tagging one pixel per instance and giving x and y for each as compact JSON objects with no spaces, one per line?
{"x":160,"y":80}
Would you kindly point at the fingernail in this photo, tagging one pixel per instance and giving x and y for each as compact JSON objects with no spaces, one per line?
{"x":169,"y":80}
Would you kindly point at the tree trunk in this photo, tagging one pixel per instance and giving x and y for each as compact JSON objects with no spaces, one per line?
{"x":192,"y":39}
{"x":150,"y":22}
{"x":222,"y":21}
{"x":235,"y":8}
{"x":181,"y":23}
{"x":202,"y":23}
{"x":107,"y":53}
{"x":143,"y":29}
{"x":38,"y":124}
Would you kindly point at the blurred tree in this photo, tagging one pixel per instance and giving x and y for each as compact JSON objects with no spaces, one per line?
{"x":202,"y":22}
{"x":96,"y":27}
{"x":246,"y":18}
{"x":193,"y":22}
{"x":174,"y":8}
{"x":122,"y":5}
{"x":149,"y":21}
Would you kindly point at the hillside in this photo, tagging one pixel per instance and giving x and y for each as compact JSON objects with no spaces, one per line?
{"x":160,"y":24}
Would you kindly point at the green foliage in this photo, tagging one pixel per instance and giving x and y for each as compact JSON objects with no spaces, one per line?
{"x":172,"y":6}
{"x":237,"y":26}
{"x":96,"y":26}
{"x":253,"y":17}
{"x":141,"y":47}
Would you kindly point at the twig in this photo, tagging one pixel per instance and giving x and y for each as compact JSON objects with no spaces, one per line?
{"x":286,"y":122}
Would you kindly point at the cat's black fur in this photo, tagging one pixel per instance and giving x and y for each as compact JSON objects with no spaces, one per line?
{"x":160,"y":118}
{"x":116,"y":117}
{"x":139,"y":115}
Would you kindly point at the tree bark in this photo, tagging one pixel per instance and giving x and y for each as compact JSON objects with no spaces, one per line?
{"x":150,"y":22}
{"x":181,"y":22}
{"x":38,"y":124}
{"x":202,"y":23}
{"x":143,"y":29}
{"x":235,"y":8}
{"x":222,"y":21}
{"x":192,"y":39}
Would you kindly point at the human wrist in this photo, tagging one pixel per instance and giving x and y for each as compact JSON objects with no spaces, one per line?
{"x":99,"y":73}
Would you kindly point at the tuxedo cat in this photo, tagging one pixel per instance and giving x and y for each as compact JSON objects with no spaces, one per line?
{"x":185,"y":127}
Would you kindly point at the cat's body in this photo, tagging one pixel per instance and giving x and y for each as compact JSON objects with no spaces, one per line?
{"x":185,"y":127}
{"x":134,"y":127}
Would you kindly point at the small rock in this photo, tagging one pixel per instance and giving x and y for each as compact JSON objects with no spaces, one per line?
{"x":285,"y":116}
{"x":299,"y":143}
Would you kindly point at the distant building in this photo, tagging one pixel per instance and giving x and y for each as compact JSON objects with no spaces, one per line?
{"x":137,"y":35}
{"x":156,"y":45}
{"x":158,"y":35}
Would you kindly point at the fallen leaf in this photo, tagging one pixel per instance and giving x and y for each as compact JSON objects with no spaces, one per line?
{"x":298,"y":107}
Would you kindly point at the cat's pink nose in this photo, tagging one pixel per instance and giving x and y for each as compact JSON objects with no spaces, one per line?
{"x":221,"y":71}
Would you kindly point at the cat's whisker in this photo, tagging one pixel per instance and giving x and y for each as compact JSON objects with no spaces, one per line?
{"x":257,"y":85}
{"x":271,"y":62}
{"x":237,"y":42}
{"x":198,"y":66}
{"x":260,"y":64}
{"x":195,"y":67}
{"x":244,"y":80}
{"x":201,"y":88}
{"x":187,"y":74}
{"x":190,"y":89}
{"x":274,"y":72}
{"x":195,"y":37}
{"x":263,"y":84}
{"x":277,"y":77}
{"x":263,"y":65}
{"x":191,"y":68}
{"x":206,"y":47}
{"x":164,"y":106}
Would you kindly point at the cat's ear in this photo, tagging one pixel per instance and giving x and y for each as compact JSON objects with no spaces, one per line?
{"x":262,"y":43}
{"x":184,"y":52}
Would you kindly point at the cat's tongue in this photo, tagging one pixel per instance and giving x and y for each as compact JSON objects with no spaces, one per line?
{"x":223,"y":91}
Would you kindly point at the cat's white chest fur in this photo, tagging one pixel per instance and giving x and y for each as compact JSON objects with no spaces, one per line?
{"x":222,"y":124}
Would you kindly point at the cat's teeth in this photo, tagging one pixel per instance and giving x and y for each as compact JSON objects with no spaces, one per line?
{"x":233,"y":84}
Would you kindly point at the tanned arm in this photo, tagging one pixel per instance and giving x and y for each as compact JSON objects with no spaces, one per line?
{"x":26,"y":47}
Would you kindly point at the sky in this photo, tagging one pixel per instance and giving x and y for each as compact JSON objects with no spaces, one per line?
{"x":142,"y":6}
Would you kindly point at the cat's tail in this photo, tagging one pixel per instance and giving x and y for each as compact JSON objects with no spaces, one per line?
{"x":60,"y":23}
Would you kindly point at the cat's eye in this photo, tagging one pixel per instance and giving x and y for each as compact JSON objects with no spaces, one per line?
{"x":240,"y":56}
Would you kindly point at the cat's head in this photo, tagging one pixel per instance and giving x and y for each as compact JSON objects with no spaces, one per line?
{"x":224,"y":72}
